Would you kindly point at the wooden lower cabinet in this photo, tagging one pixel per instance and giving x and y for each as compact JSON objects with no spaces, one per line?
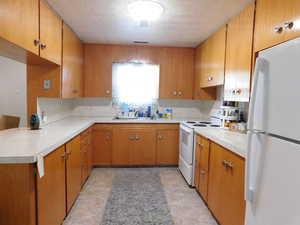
{"x":73,"y":170}
{"x":133,"y":146}
{"x":167,"y":152}
{"x":142,"y":149}
{"x":102,"y":136}
{"x":226,"y":186}
{"x":51,"y":189}
{"x":86,"y":154}
{"x":202,"y":166}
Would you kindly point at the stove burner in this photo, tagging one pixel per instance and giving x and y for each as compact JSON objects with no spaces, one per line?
{"x":214,"y":125}
{"x":205,"y":122}
{"x":190,"y":122}
{"x":200,"y":125}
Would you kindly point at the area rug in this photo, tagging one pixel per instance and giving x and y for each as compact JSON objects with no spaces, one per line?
{"x":137,"y":198}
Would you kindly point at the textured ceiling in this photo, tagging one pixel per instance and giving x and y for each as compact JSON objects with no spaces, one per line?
{"x":185,"y":23}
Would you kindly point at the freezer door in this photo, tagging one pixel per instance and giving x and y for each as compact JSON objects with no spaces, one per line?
{"x":277,"y":105}
{"x":274,"y":179}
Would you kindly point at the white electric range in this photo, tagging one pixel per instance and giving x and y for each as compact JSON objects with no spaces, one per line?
{"x":187,"y":146}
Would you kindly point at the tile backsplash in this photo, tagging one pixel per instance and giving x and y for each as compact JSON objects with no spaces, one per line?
{"x":56,"y":109}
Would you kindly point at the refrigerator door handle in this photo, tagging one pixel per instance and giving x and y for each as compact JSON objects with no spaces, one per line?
{"x":260,"y":66}
{"x":249,"y":192}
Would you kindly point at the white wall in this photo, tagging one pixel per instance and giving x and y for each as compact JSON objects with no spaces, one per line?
{"x":13,"y":100}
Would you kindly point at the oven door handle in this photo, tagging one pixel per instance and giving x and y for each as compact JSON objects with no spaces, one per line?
{"x":186,"y":129}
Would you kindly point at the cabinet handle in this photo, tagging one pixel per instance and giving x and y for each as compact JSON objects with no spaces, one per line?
{"x":278,"y":29}
{"x":137,"y":137}
{"x":107,"y":91}
{"x":160,"y":137}
{"x":210,"y":78}
{"x":43,"y":46}
{"x":288,"y":25}
{"x":36,"y":42}
{"x":174,"y":93}
{"x":107,"y":137}
{"x":200,"y":144}
{"x":131,"y":137}
{"x":227,"y":164}
{"x":180,"y":93}
{"x":202,"y":171}
{"x":64,"y":155}
{"x":75,"y":91}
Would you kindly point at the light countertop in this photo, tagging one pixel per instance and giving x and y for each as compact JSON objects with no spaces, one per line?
{"x":23,"y":145}
{"x":235,"y":142}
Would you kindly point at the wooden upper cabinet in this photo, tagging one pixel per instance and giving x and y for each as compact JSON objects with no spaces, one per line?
{"x":226,"y":186}
{"x":97,"y":71}
{"x":51,"y":189}
{"x":212,"y":59}
{"x":50,"y":34}
{"x":176,"y":73}
{"x":239,"y":56}
{"x":167,"y":151}
{"x":19,"y":23}
{"x":168,"y":73}
{"x":73,"y":170}
{"x":201,"y":93}
{"x":276,"y":21}
{"x":72,"y":64}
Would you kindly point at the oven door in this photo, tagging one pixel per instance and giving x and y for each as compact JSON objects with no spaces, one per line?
{"x":186,"y":144}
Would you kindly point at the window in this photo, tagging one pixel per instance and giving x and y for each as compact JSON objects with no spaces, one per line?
{"x":135,"y":83}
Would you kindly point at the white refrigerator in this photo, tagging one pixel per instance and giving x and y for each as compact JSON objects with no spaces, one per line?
{"x":273,"y":159}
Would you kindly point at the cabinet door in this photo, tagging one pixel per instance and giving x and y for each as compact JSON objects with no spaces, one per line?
{"x":197,"y":164}
{"x":51,"y":189}
{"x":167,"y":147}
{"x":201,"y":93}
{"x":98,"y":71}
{"x":84,"y":164}
{"x":50,"y":34}
{"x":185,"y":79}
{"x":204,"y":152}
{"x":143,"y":149}
{"x":226,"y":186}
{"x":216,"y":179}
{"x":123,"y":141}
{"x":233,"y":196}
{"x":239,"y":56}
{"x":19,"y":22}
{"x":214,"y":59}
{"x":73,"y":167}
{"x":102,"y":147}
{"x":271,"y":15}
{"x":72,"y":64}
{"x":169,"y":72}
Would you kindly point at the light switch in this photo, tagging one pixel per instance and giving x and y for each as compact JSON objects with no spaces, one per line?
{"x":47,"y":84}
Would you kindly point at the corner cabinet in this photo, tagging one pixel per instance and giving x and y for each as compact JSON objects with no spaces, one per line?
{"x":276,"y":21}
{"x":239,"y":56}
{"x":212,"y":59}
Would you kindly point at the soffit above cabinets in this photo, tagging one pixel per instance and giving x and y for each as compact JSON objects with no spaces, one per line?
{"x":184,"y":23}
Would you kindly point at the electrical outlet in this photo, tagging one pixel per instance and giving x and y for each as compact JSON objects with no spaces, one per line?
{"x":47,"y":84}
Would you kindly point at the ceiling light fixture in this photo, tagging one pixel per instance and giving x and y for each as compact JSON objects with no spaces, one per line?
{"x":145,"y":10}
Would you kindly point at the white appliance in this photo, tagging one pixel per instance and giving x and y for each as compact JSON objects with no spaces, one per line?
{"x":187,"y":147}
{"x":273,"y":160}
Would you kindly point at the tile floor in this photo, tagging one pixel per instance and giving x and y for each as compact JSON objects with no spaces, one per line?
{"x":185,"y":205}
